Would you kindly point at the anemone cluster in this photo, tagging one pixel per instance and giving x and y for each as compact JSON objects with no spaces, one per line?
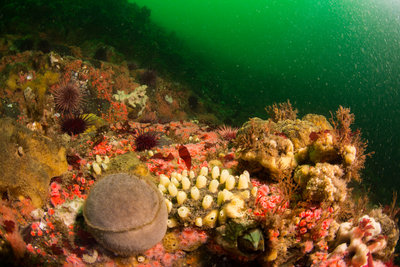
{"x":208,"y":199}
{"x":218,"y":202}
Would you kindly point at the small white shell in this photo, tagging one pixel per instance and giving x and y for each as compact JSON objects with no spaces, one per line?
{"x":173,"y":191}
{"x":96,"y":168}
{"x":254,"y":191}
{"x":169,"y":205}
{"x":192,"y":174}
{"x":140,"y":258}
{"x":198,"y":222}
{"x":175,"y":181}
{"x":215,"y":172}
{"x":201,"y":181}
{"x":183,"y":212}
{"x":243,"y":182}
{"x":211,"y":218}
{"x":106,"y":160}
{"x":185,"y":183}
{"x":98,"y":159}
{"x":224,"y":176}
{"x":164,"y":180}
{"x":207,"y":202}
{"x":230,"y":182}
{"x":195,"y":193}
{"x":171,"y":223}
{"x":204,"y":171}
{"x":213,"y":186}
{"x":162,"y":188}
{"x":181,"y":197}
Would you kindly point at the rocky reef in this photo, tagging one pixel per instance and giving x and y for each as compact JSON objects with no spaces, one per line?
{"x":106,"y":164}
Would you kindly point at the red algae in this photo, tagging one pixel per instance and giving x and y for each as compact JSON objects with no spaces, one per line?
{"x":192,"y":238}
{"x":185,"y":155}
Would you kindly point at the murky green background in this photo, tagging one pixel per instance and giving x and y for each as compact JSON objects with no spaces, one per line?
{"x":318,"y":54}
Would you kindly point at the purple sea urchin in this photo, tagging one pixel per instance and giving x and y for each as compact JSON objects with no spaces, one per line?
{"x":149,"y":78}
{"x":146,"y":139}
{"x":68,"y":97}
{"x":75,"y":124}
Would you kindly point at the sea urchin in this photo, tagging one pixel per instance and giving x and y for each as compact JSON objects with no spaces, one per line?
{"x":149,"y":78}
{"x":145,"y":140}
{"x":68,"y":97}
{"x":75,"y":124}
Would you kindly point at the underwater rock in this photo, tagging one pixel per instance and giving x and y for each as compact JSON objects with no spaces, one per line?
{"x":136,"y":99}
{"x":321,"y":182}
{"x":298,"y":131}
{"x":98,"y":51}
{"x":245,"y":238}
{"x":126,"y":213}
{"x":260,"y":147}
{"x":68,"y":211}
{"x":108,"y":53}
{"x":318,"y":121}
{"x":28,"y":161}
{"x":127,"y":163}
{"x":364,"y":240}
{"x":390,"y":231}
{"x":265,"y":145}
{"x":323,"y":148}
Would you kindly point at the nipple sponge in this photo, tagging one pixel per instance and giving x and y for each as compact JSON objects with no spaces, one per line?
{"x":125,"y":213}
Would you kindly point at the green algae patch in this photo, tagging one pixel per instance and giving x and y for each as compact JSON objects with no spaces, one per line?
{"x":127,"y":162}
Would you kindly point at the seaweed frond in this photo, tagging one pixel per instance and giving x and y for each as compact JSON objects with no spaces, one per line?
{"x":345,"y":137}
{"x":392,"y":210}
{"x":281,"y":111}
{"x":249,"y":136}
{"x":344,"y":119}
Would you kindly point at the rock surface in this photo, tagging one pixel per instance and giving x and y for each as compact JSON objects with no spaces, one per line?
{"x":28,"y":161}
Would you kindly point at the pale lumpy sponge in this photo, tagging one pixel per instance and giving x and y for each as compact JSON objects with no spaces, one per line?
{"x":126,"y":213}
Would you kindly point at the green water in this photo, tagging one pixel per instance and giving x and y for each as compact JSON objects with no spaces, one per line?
{"x":244,"y":55}
{"x":319,"y":54}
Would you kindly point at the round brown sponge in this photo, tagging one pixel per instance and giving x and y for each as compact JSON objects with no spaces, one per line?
{"x":125,"y":213}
